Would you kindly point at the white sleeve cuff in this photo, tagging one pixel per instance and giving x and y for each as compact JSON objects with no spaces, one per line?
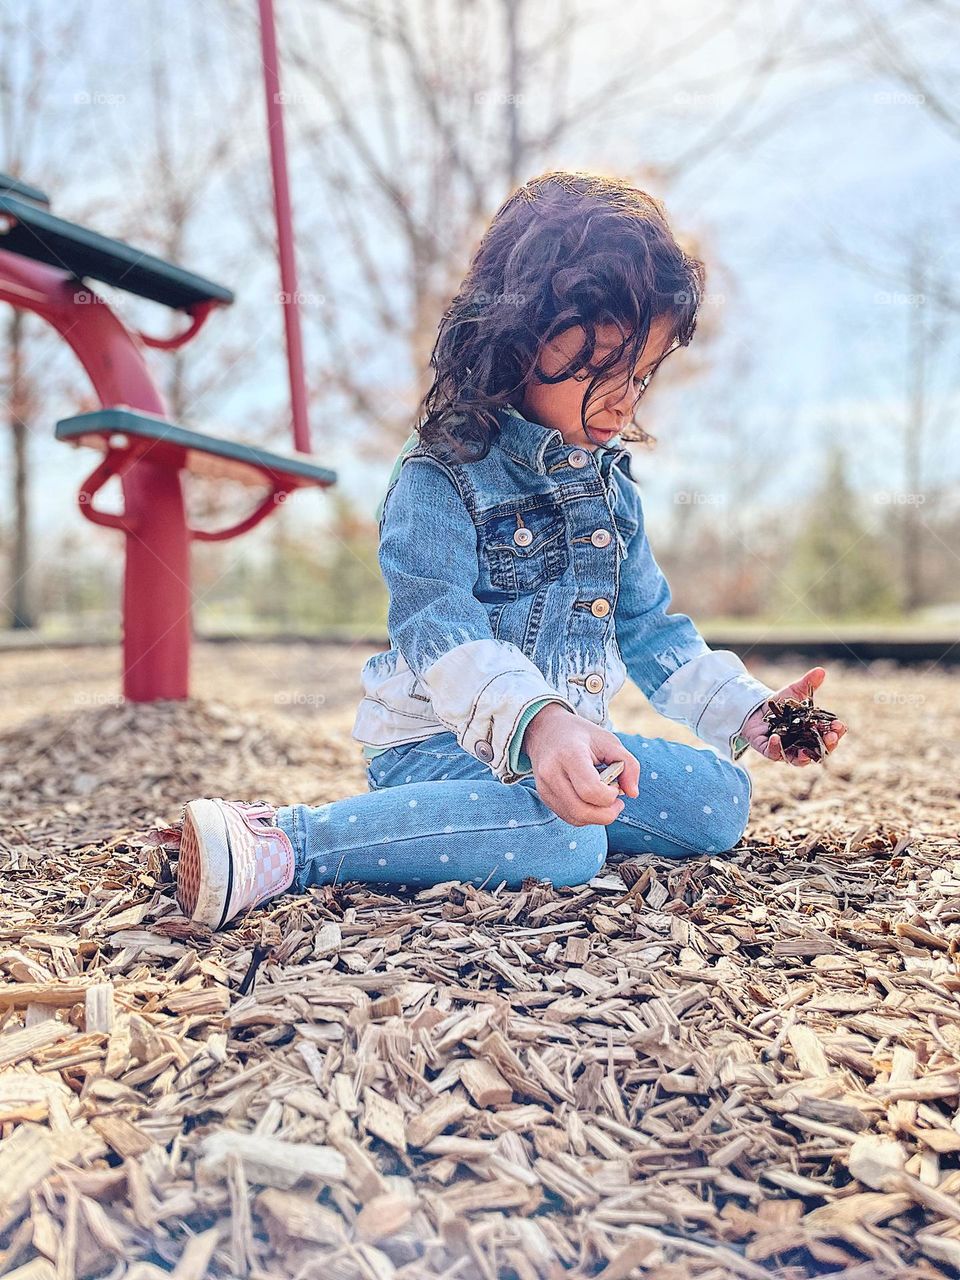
{"x":713,"y":694}
{"x":480,"y":691}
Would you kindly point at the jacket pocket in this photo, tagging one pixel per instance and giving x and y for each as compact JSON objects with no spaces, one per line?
{"x":524,"y":549}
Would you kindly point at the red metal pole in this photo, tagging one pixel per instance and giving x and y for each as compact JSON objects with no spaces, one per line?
{"x":156,"y":583}
{"x":284,"y":221}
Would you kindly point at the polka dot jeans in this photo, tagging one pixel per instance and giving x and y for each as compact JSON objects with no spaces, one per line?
{"x":435,"y":813}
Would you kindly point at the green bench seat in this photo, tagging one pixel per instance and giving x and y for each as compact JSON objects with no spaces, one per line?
{"x":194,"y":451}
{"x":36,"y":233}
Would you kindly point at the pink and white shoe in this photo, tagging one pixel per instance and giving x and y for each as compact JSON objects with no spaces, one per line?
{"x":233,"y":857}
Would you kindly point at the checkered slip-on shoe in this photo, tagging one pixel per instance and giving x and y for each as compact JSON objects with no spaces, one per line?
{"x":232,"y":858}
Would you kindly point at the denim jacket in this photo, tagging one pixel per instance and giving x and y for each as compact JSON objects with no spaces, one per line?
{"x":526,"y":578}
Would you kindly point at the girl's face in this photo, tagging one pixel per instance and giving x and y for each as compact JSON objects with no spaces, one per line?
{"x":558,"y":404}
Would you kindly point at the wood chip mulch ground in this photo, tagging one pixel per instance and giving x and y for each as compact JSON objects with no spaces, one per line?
{"x":740,"y":1066}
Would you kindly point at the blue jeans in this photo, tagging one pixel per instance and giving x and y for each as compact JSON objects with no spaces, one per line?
{"x":434,"y":813}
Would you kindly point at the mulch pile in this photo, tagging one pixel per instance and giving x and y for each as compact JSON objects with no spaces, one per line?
{"x":727,"y":1067}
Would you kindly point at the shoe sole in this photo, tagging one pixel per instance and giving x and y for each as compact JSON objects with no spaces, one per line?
{"x":205,"y":868}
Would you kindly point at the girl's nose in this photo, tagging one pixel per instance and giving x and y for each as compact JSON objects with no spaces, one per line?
{"x":622,"y":401}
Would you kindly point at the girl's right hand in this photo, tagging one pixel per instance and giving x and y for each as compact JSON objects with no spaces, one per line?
{"x":565,"y":750}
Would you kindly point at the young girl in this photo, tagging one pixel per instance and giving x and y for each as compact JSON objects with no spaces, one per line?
{"x":523,"y":591}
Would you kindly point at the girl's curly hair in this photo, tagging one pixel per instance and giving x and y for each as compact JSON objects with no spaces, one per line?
{"x":565,"y":249}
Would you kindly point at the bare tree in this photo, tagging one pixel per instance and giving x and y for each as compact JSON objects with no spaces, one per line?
{"x":181,"y":168}
{"x":926,"y":344}
{"x":32,"y":111}
{"x":908,"y":270}
{"x":442,"y":110}
{"x":905,"y":42}
{"x":913,"y":45}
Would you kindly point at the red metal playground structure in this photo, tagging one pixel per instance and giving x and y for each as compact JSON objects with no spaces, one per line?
{"x":45,"y":262}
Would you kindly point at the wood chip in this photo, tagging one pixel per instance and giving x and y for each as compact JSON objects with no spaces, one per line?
{"x":710,"y":1067}
{"x":270,"y":1161}
{"x":485,"y":1084}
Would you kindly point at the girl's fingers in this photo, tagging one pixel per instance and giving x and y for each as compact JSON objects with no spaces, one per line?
{"x":562,"y":798}
{"x":807,"y":683}
{"x":586,"y":786}
{"x":629,"y":779}
{"x":777,"y":753}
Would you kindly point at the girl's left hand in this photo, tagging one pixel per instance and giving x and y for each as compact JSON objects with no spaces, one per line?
{"x":757,"y":732}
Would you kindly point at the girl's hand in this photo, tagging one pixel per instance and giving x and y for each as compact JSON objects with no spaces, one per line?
{"x":565,"y":750}
{"x":757,"y":732}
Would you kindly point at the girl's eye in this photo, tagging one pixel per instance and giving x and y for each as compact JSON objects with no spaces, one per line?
{"x":642,"y":382}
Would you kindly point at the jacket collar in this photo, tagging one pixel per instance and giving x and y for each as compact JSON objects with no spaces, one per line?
{"x":527,"y":442}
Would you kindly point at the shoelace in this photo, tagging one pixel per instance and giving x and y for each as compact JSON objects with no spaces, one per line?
{"x":259,"y":810}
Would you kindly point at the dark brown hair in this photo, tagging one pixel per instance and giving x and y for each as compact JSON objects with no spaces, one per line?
{"x":565,"y":249}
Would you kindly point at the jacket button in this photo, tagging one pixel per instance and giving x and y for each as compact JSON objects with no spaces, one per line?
{"x":577,"y":458}
{"x":523,"y":537}
{"x":594,"y":683}
{"x":484,"y":751}
{"x":600,"y":608}
{"x":600,"y":537}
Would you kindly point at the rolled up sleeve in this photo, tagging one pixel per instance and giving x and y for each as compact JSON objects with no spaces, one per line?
{"x":480,"y":687}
